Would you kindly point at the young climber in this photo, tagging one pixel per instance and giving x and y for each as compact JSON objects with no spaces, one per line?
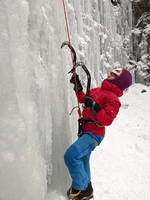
{"x":100,"y":109}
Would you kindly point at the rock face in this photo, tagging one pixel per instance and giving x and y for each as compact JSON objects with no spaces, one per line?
{"x":35,"y":94}
{"x":141,"y":40}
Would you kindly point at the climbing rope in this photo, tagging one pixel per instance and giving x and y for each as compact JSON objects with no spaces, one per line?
{"x":66,"y":21}
{"x":81,"y":120}
{"x":72,"y":56}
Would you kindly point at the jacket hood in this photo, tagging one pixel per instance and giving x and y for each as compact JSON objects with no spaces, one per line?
{"x":111,"y":87}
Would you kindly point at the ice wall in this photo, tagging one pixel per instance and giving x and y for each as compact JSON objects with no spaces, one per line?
{"x":101,"y":33}
{"x":35,"y":94}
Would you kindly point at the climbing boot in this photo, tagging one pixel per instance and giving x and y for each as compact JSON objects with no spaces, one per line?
{"x":80,"y":194}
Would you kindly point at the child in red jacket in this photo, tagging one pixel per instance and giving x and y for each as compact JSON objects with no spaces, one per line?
{"x":100,"y":109}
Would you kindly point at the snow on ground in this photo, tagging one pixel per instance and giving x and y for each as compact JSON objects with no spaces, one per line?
{"x":121,"y":164}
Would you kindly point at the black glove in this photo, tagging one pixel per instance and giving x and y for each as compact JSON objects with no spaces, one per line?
{"x":89,"y":102}
{"x":77,"y":84}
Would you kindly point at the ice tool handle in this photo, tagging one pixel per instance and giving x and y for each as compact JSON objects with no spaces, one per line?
{"x":77,"y":64}
{"x":81,"y":64}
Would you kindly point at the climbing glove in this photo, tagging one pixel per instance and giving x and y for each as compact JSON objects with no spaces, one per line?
{"x":77,"y":84}
{"x":89,"y":102}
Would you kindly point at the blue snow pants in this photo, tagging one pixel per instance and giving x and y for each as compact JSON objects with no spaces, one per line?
{"x":77,"y":159}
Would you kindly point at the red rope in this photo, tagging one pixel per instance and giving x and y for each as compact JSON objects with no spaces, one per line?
{"x":68,"y":34}
{"x":66,"y":21}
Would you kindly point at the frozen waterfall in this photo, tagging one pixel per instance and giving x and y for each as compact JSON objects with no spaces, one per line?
{"x":35,"y":94}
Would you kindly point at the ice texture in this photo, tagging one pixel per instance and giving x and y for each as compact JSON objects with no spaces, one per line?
{"x":35,"y":94}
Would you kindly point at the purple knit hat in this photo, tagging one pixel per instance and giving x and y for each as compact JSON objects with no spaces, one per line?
{"x":123,"y":81}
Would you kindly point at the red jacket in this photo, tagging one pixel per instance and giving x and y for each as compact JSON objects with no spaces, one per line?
{"x":107,"y":97}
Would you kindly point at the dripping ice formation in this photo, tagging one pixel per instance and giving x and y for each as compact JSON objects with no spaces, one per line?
{"x":35,"y":94}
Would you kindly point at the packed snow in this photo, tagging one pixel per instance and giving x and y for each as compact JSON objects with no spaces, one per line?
{"x":123,"y":162}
